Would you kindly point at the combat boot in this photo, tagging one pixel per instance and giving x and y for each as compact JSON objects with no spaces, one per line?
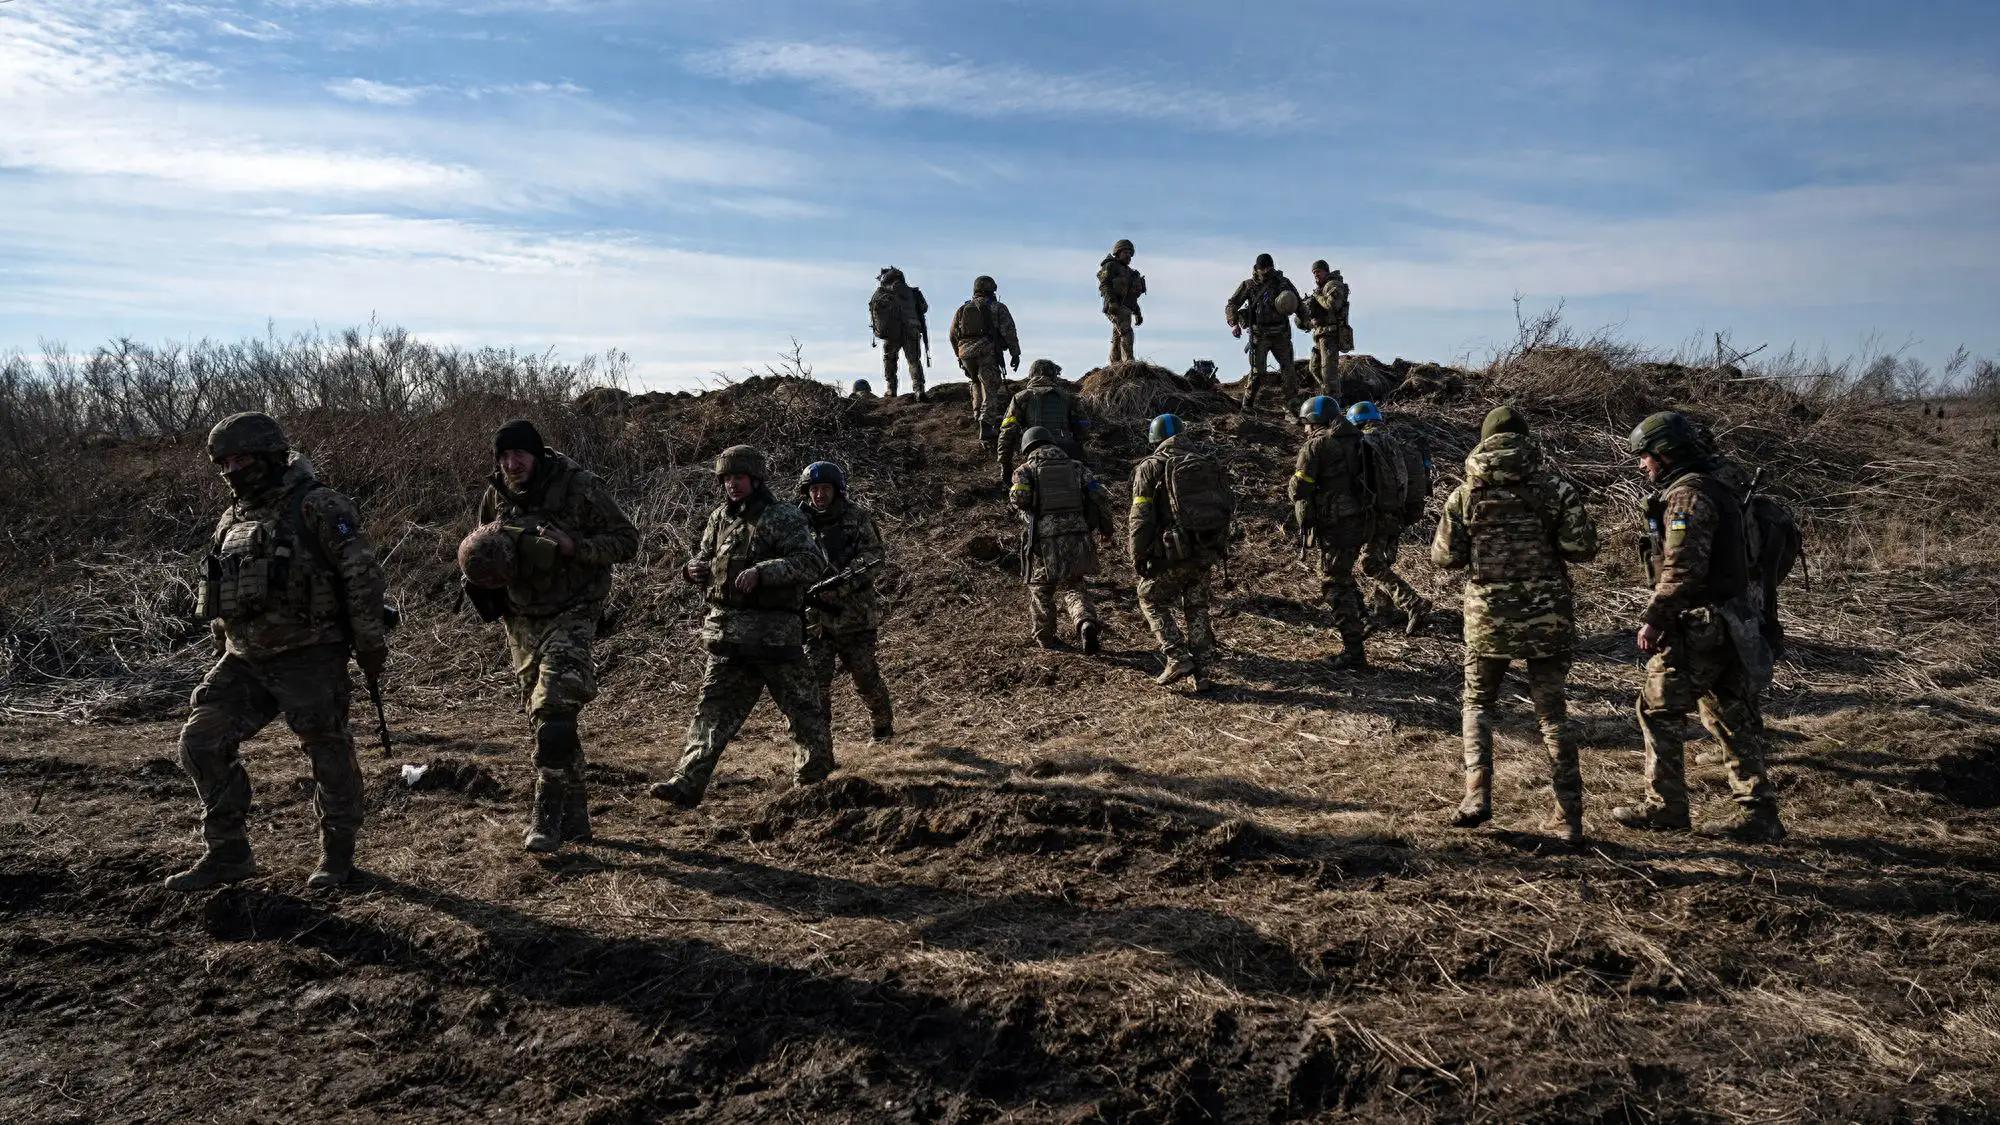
{"x":545,"y":827}
{"x":1091,"y":634}
{"x":1651,"y":817}
{"x":1477,"y":808}
{"x":675,"y":792}
{"x":1416,"y":618}
{"x":223,"y":862}
{"x":1178,"y":669}
{"x":1201,"y":681}
{"x":576,"y":808}
{"x":336,"y":861}
{"x":1567,"y":824}
{"x":1758,"y":824}
{"x":883,"y":732}
{"x":1353,"y":655}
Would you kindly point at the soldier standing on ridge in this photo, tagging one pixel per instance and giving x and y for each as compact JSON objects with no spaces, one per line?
{"x":1061,"y":503}
{"x":1330,"y":510}
{"x":1516,"y":526}
{"x":896,"y":314}
{"x":756,"y":559}
{"x":1121,"y":286}
{"x":1046,"y":402}
{"x":1702,"y":629}
{"x":1182,"y":505}
{"x":841,"y":620}
{"x":1399,"y":479}
{"x":541,"y":560}
{"x":1324,"y":314}
{"x":1264,"y":303}
{"x":982,"y":333}
{"x":291,"y":588}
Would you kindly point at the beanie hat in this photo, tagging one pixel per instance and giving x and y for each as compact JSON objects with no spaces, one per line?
{"x":518,"y":434}
{"x":1503,"y":420}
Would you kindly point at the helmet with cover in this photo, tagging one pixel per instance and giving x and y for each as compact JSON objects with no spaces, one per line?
{"x":486,"y":557}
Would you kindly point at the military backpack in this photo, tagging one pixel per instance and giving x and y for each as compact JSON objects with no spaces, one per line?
{"x":974,"y":320}
{"x":1201,"y":501}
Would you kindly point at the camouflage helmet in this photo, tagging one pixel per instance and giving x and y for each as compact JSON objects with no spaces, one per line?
{"x":823,"y":472}
{"x":1035,"y":438}
{"x":1286,"y":303}
{"x":1320,"y":266}
{"x":1124,"y":244}
{"x":250,"y":432}
{"x":746,"y":459}
{"x":1669,"y":432}
{"x":1264,"y":262}
{"x":1043,"y":370}
{"x":486,"y":557}
{"x":984,"y":286}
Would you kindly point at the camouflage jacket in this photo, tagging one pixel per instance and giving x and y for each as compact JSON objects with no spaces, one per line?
{"x":846,"y":535}
{"x":1120,"y":285}
{"x":564,"y":495}
{"x":999,"y":336}
{"x":1326,"y":487}
{"x":1049,"y":404}
{"x":1254,"y":304}
{"x":271,"y":591}
{"x":774,"y":538}
{"x":1326,"y":310}
{"x":1515,"y":526}
{"x":1698,"y":561}
{"x":1065,"y":503}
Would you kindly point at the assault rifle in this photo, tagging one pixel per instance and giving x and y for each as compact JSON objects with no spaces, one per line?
{"x":924,"y":326}
{"x":1029,"y":541}
{"x":816,"y":593}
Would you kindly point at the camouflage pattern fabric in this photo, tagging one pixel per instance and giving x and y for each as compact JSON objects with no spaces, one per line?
{"x":1325,"y":488}
{"x":551,"y":660}
{"x":1254,"y":303}
{"x":1699,"y":666}
{"x":1120,"y":286}
{"x":828,"y":653}
{"x":1340,"y":592}
{"x":1074,"y":594}
{"x":1183,"y":587}
{"x":730,"y":688}
{"x":910,"y":349}
{"x":774,"y":538}
{"x":309,"y":687}
{"x":846,"y":534}
{"x":1121,"y":334}
{"x":989,"y":389}
{"x":1325,"y":361}
{"x":1065,"y":555}
{"x":1323,"y":313}
{"x":1067,"y":428}
{"x":981,"y":356}
{"x":566,"y":496}
{"x":1275,"y":344}
{"x":1378,"y":565}
{"x":1546,"y":678}
{"x":1515,"y":525}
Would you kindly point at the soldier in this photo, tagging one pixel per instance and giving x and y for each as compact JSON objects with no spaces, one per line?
{"x":1324,"y":314}
{"x":1264,"y":303}
{"x":1515,"y":525}
{"x":1330,"y":510}
{"x":896,"y":312}
{"x":1399,"y":479}
{"x":290,"y":588}
{"x":1182,"y":504}
{"x":541,"y":561}
{"x":982,"y":332}
{"x":1048,"y":402}
{"x":1121,"y":286}
{"x":842,"y":618}
{"x":756,"y":559}
{"x":1061,"y":503}
{"x":1701,"y":629}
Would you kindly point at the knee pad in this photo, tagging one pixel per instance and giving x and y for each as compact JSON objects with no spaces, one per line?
{"x":556,"y":743}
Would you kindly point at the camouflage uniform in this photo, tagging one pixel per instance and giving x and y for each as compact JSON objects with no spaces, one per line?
{"x":755,"y":641}
{"x":843,"y":632}
{"x":1329,"y":505}
{"x":896,"y":312}
{"x":1120,"y":286}
{"x":1515,"y":526}
{"x":1048,"y":402}
{"x":1166,"y":584}
{"x":1385,"y":541}
{"x":291,"y":586}
{"x":983,"y":336}
{"x":1324,"y":314}
{"x":1066,"y":503}
{"x":1253,"y":308}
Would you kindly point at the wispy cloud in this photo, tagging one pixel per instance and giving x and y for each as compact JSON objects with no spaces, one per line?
{"x":376,"y":93}
{"x":904,"y":80}
{"x":389,"y":93}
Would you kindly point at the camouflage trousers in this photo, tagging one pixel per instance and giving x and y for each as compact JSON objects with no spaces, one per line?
{"x":1699,"y":667}
{"x":1341,"y":593}
{"x":1326,"y":362}
{"x":1378,"y":565}
{"x":1121,"y":334}
{"x":309,"y":687}
{"x":912,"y":352}
{"x":989,"y":392}
{"x":1546,"y":677}
{"x":1074,"y":594}
{"x":1275,"y":343}
{"x":855,"y":651}
{"x":551,"y":658}
{"x":1179,"y":586}
{"x":730,"y":688}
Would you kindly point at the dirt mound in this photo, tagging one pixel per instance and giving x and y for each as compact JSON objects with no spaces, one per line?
{"x":1130,"y":393}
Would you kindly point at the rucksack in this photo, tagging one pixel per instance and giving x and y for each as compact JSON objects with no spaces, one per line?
{"x":1389,"y":472}
{"x":883,"y":315}
{"x":1199,"y":494}
{"x":971,"y":322}
{"x":1774,"y":543}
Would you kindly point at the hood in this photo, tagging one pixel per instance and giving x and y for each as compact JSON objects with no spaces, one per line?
{"x":1504,"y":459}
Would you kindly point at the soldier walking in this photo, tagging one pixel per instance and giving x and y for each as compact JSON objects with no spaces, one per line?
{"x":1399,"y":480}
{"x":1324,"y":314}
{"x":1331,"y":511}
{"x":1264,"y":303}
{"x":1182,"y":505}
{"x":842,"y":618}
{"x":1121,"y":286}
{"x":1515,"y":526}
{"x":290,"y":588}
{"x":549,"y":534}
{"x":1702,"y":631}
{"x":982,"y":333}
{"x":1061,"y":503}
{"x":1048,"y":402}
{"x":896,"y":312}
{"x":756,"y":559}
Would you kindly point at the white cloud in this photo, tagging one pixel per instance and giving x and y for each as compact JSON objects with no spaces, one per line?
{"x":376,"y":93}
{"x":902,"y":80}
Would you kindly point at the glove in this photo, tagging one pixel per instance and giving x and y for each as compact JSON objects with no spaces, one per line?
{"x":372,"y":660}
{"x":1016,"y":363}
{"x":1138,"y":318}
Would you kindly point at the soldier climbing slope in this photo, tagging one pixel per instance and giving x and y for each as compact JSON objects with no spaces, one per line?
{"x":896,"y":312}
{"x":1182,"y":505}
{"x":1398,"y":477}
{"x":1061,"y":503}
{"x":1046,"y":402}
{"x":843,"y":613}
{"x":1332,"y":512}
{"x":1121,"y":286}
{"x":982,"y":333}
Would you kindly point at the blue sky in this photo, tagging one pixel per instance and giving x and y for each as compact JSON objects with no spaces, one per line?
{"x":697,"y":183}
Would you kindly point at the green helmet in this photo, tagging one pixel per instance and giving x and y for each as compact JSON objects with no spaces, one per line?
{"x":1042,"y":370}
{"x":984,"y":286}
{"x":1163,"y":427}
{"x":1035,"y":438}
{"x":742,"y":459}
{"x":1669,"y":432}
{"x":486,"y":557}
{"x":1123,"y":244}
{"x":249,"y":432}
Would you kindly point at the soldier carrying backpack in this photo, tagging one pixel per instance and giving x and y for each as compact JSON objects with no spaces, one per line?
{"x":1397,"y":473}
{"x":982,"y":335}
{"x":896,"y":312}
{"x":1182,"y":506}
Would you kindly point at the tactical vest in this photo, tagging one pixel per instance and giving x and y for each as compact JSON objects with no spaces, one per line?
{"x":1047,"y":407}
{"x":1512,"y":538}
{"x":832,"y":534}
{"x":1728,"y":557}
{"x":1058,"y":488}
{"x":262,"y":567}
{"x":1264,"y":305}
{"x":735,"y":552}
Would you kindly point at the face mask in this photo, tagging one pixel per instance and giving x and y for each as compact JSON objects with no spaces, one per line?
{"x":248,"y":480}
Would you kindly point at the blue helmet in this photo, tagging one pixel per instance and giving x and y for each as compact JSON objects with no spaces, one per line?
{"x":1320,"y":410}
{"x":1364,"y":412}
{"x":1163,"y":427}
{"x":823,"y":472}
